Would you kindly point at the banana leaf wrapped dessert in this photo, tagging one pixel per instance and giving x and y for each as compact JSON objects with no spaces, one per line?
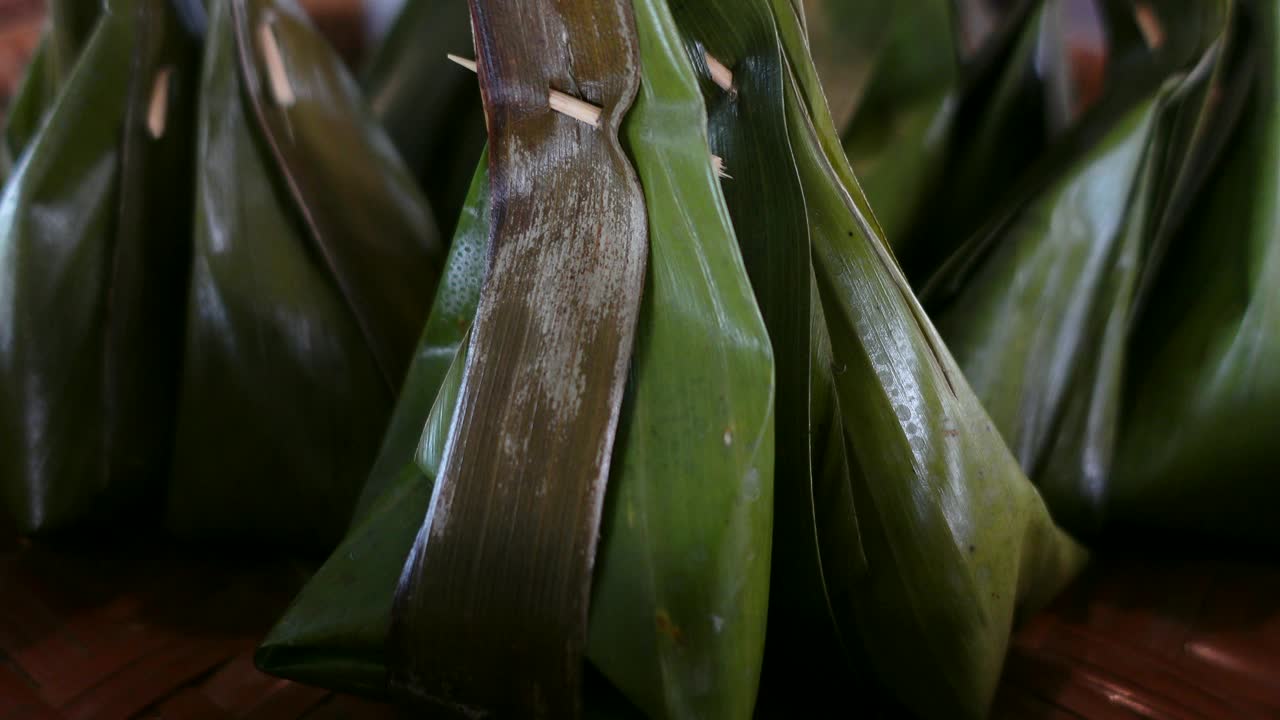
{"x":94,"y":228}
{"x":314,"y":263}
{"x":690,"y":482}
{"x":901,"y":518}
{"x":956,"y":541}
{"x":1039,"y":308}
{"x":1197,"y":448}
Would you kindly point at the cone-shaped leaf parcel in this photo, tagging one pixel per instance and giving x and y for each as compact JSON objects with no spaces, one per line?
{"x":956,"y":540}
{"x":314,"y":264}
{"x":678,"y":603}
{"x":94,"y":236}
{"x":1039,"y":308}
{"x":1197,"y":449}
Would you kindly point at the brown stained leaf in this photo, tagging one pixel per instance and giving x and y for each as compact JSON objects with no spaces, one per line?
{"x":491,"y":614}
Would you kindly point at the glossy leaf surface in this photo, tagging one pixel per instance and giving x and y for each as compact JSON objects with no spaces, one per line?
{"x":93,"y":245}
{"x":956,"y":539}
{"x":1197,"y":450}
{"x":1039,"y":312}
{"x":747,"y":129}
{"x":681,"y":589}
{"x":314,"y":263}
{"x":451,"y":314}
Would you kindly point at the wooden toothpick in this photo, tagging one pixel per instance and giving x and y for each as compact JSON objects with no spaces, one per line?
{"x":720,"y":74}
{"x":1149,"y":24}
{"x":560,"y":102}
{"x":468,"y":64}
{"x":277,"y":77}
{"x":717,"y":162}
{"x":158,"y":107}
{"x":584,"y":111}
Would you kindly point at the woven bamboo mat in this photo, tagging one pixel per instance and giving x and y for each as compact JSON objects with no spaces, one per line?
{"x":147,"y":630}
{"x":1182,"y":638}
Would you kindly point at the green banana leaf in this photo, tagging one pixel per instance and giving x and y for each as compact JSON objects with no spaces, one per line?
{"x":956,"y":540}
{"x":1025,"y":315}
{"x":314,"y":263}
{"x":1201,"y":114}
{"x":451,"y":314}
{"x":684,"y":636}
{"x":430,"y":109}
{"x":682,"y":588}
{"x":1039,"y":312}
{"x":897,"y":132}
{"x":1197,"y":446}
{"x":93,"y":253}
{"x":897,"y":76}
{"x":1078,"y":67}
{"x":68,"y":26}
{"x":336,"y":631}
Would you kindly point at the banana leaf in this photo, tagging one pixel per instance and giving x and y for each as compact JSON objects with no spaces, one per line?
{"x":431,"y":111}
{"x":896,"y":131}
{"x":678,"y":601}
{"x":748,"y":129}
{"x":956,"y":540}
{"x":336,"y":630}
{"x":68,"y":26}
{"x":93,"y":251}
{"x":1039,"y":312}
{"x":682,"y":588}
{"x":314,"y":263}
{"x":1197,"y":446}
{"x":516,"y":507}
{"x":1079,"y":66}
{"x":896,"y":76}
{"x":451,"y":314}
{"x":1025,"y":316}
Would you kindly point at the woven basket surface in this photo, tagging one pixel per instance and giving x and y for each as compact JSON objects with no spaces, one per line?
{"x":146,"y":630}
{"x":1184,"y":637}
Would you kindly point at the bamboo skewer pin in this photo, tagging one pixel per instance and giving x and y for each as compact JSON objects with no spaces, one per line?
{"x":560,"y":102}
{"x":1149,"y":24}
{"x":717,"y":162}
{"x":585,"y":111}
{"x":158,"y":107}
{"x":720,"y":74}
{"x":281,"y":88}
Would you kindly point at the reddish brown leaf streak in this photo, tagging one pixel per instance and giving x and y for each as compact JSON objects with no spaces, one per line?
{"x":491,"y":615}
